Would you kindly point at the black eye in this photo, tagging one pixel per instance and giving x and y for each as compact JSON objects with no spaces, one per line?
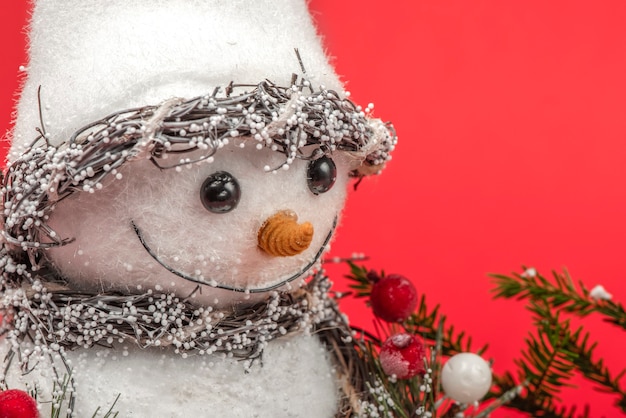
{"x":220,"y":192}
{"x":321,"y":175}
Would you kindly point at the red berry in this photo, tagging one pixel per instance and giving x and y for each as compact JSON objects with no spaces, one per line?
{"x":403,"y":355}
{"x":17,"y":404}
{"x":393,"y":298}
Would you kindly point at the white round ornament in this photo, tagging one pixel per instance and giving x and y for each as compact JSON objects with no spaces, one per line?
{"x":466,"y":377}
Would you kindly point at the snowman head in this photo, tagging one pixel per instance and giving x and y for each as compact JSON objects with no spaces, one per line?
{"x":220,"y":197}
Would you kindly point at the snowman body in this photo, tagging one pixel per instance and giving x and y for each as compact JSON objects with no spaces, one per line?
{"x":296,"y":379}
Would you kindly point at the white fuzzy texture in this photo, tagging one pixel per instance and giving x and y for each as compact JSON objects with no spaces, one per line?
{"x":600,"y":293}
{"x":93,"y":57}
{"x":166,"y":206}
{"x":296,"y":380}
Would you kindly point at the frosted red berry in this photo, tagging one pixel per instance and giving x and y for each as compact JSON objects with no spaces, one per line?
{"x":393,"y":298}
{"x":17,"y":404}
{"x":402,"y":355}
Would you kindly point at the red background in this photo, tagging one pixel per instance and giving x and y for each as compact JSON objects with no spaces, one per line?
{"x":512,"y":125}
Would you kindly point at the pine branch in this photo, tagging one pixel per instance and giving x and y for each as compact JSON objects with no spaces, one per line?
{"x":570,"y":350}
{"x":548,"y":366}
{"x":596,"y":371}
{"x":560,"y":292}
{"x":554,"y":352}
{"x":525,"y":401}
{"x":360,"y":279}
{"x":427,"y":322}
{"x":544,"y":369}
{"x":580,"y":352}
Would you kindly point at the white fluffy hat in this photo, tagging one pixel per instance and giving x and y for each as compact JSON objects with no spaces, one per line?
{"x":91,"y":57}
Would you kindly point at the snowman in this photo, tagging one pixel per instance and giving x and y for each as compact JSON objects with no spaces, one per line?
{"x":171,"y":190}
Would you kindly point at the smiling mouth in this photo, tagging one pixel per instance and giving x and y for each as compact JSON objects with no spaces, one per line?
{"x":215,"y":284}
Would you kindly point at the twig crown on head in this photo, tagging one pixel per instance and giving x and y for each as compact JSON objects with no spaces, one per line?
{"x":285,"y":119}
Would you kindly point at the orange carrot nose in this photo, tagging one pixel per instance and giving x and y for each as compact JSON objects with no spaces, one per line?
{"x":282,"y":236}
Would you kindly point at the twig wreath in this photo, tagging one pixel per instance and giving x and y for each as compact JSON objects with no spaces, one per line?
{"x":283,"y":119}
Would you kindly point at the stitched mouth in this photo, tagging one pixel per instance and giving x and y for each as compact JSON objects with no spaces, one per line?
{"x":217,"y":285}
